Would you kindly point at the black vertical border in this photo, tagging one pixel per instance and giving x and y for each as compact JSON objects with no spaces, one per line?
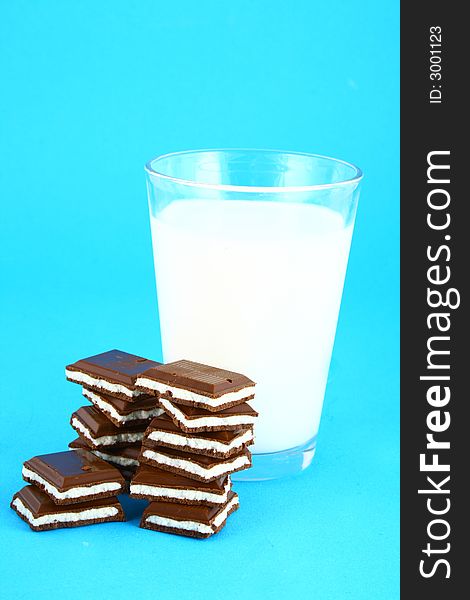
{"x":427,"y":127}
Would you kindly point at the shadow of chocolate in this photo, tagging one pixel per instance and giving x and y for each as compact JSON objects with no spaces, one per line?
{"x":133,"y":508}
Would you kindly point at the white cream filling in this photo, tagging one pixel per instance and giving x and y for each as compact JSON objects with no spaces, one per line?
{"x":110,"y":410}
{"x":205,"y":421}
{"x":187,"y":395}
{"x":107,"y":440}
{"x":76,"y":492}
{"x":194,"y":525}
{"x":118,"y":460}
{"x":198,"y":443}
{"x":115,"y":388}
{"x":66,"y":517}
{"x":191,"y":495}
{"x":195,"y":468}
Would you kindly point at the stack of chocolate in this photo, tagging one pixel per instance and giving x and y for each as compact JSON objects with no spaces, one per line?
{"x":113,"y":426}
{"x":187,"y":425}
{"x":189,"y":451}
{"x":69,"y":489}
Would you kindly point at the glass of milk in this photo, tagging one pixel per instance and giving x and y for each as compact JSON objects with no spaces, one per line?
{"x":251,"y":249}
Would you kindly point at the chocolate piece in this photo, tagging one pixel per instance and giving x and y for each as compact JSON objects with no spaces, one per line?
{"x":192,"y":419}
{"x":125,"y":457}
{"x":163,"y":432}
{"x":155,"y":484}
{"x":114,"y":372}
{"x":37,"y":509}
{"x":122,"y":412}
{"x":73,"y":476}
{"x":195,"y":384}
{"x":193,"y":521}
{"x":99,"y":432}
{"x":195,"y":466}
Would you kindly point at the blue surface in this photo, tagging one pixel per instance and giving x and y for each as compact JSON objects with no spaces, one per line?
{"x":91,"y":90}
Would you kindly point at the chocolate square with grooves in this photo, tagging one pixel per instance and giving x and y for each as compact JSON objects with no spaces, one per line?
{"x":148,"y":475}
{"x":194,"y":412}
{"x":202,"y":514}
{"x":189,"y":418}
{"x":40,"y":505}
{"x":164,"y":424}
{"x":115,"y":367}
{"x":199,"y":460}
{"x":99,"y":426}
{"x":199,"y":378}
{"x":122,"y":407}
{"x":71,"y":469}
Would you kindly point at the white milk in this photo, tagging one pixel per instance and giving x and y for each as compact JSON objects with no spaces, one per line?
{"x":255,"y":287}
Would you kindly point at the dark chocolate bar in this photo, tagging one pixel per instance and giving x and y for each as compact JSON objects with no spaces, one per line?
{"x":192,"y":521}
{"x":194,"y":384}
{"x":73,"y":476}
{"x":152,"y":484}
{"x":99,"y":432}
{"x":114,"y":372}
{"x":193,"y":419}
{"x":121,"y":412}
{"x":195,"y":466}
{"x":36,"y":508}
{"x":162,"y":431}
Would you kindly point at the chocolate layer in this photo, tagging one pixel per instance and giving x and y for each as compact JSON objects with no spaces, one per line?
{"x":124,"y":457}
{"x":152,"y":483}
{"x":193,"y":521}
{"x":197,"y":377}
{"x":123,"y":407}
{"x":195,"y":384}
{"x":162,"y":431}
{"x":122,"y":412}
{"x":194,"y":419}
{"x":99,"y":432}
{"x":115,"y":367}
{"x":195,"y":466}
{"x":69,"y":477}
{"x":37,"y":509}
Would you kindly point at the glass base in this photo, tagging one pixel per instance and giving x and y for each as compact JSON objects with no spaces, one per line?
{"x":274,"y":465}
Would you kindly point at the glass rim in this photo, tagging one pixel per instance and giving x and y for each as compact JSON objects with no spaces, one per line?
{"x":358,"y":175}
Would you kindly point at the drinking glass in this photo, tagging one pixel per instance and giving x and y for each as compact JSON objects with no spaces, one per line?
{"x":250,"y":250}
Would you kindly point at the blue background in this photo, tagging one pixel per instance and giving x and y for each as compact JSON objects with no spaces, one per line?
{"x":90,"y":91}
